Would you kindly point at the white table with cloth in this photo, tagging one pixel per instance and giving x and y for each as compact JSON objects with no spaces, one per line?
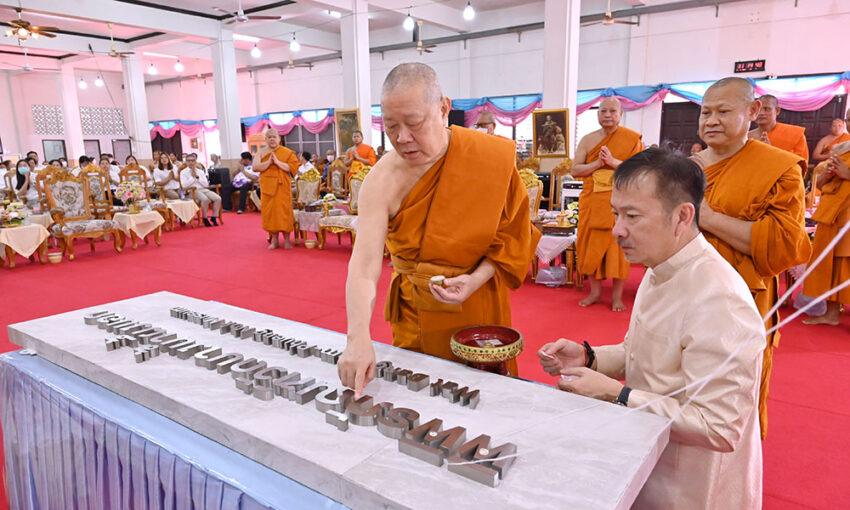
{"x":183,"y":209}
{"x":139,"y":225}
{"x":24,"y":239}
{"x":308,"y":221}
{"x":41,"y":219}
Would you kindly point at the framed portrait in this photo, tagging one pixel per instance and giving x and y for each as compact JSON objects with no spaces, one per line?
{"x":551,"y":133}
{"x":347,"y":121}
{"x":53,"y":149}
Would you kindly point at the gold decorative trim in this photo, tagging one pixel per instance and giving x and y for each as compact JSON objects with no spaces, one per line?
{"x":529,"y":178}
{"x":532,"y":163}
{"x":311,"y":175}
{"x":361,"y":173}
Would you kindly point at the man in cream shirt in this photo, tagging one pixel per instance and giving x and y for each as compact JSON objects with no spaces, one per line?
{"x":694,"y":325}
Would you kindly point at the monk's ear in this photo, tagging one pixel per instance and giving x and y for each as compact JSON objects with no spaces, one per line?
{"x":755,"y":107}
{"x":445,"y":108}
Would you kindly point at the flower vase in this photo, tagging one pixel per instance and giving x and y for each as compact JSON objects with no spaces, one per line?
{"x":562,"y":219}
{"x":133,"y":208}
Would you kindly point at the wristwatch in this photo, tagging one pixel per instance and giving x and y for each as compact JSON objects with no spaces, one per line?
{"x":589,"y":355}
{"x":623,"y":397}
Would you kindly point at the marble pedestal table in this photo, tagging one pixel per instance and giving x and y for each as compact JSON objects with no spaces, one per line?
{"x":574,"y":452}
{"x":24,"y":239}
{"x":139,"y":225}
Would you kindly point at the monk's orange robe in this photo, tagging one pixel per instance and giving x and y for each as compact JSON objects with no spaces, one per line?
{"x":832,"y":214}
{"x":450,"y":221}
{"x":844,"y":137}
{"x":762,"y":184}
{"x":365,"y":152}
{"x":596,"y":248}
{"x":790,"y":138}
{"x":276,"y":192}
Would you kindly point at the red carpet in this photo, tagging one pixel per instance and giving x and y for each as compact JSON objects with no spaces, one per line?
{"x":805,"y":456}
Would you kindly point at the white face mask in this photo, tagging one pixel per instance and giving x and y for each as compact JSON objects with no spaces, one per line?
{"x":331,"y":158}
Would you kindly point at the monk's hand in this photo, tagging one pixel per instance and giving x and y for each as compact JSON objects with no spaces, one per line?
{"x":455,"y":290}
{"x":764,"y":138}
{"x":605,"y":155}
{"x":356,"y":366}
{"x":590,"y":383}
{"x":560,"y":355}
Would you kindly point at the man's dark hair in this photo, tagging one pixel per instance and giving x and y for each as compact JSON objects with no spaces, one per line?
{"x":31,"y":152}
{"x":306,"y":155}
{"x":84,"y":159}
{"x":246,"y":155}
{"x":677,"y":178}
{"x":30,"y":160}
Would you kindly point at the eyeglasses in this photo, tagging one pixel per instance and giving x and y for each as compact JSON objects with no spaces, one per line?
{"x":484,"y":124}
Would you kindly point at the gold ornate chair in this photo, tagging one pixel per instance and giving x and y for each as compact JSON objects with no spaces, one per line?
{"x":336,"y":180}
{"x":101,"y":194}
{"x":560,"y":174}
{"x":345,"y":222}
{"x":190,"y":193}
{"x":535,"y":190}
{"x":70,"y":204}
{"x":306,"y":192}
{"x":39,"y":179}
{"x":7,"y":192}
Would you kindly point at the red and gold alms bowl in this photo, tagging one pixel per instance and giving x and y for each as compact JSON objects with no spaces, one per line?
{"x":487,"y":347}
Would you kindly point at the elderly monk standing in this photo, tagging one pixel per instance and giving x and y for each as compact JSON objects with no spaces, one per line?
{"x":837,"y":134}
{"x":754,"y":209}
{"x":438,"y":217}
{"x":785,"y":136}
{"x":597,"y":156}
{"x":359,"y":155}
{"x":832,"y":214}
{"x":276,"y":165}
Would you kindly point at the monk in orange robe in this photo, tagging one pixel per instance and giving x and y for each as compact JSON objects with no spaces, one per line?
{"x":597,"y":156}
{"x":276,"y":165}
{"x":753,"y":212}
{"x":437,"y":217}
{"x":832,"y":214}
{"x":784,"y":136}
{"x":359,"y":155}
{"x":837,"y":134}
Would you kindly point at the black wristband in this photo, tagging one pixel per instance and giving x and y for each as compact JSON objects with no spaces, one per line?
{"x":623,"y":397}
{"x":589,"y":354}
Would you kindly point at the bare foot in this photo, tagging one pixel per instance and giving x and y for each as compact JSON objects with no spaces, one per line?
{"x":618,"y":306}
{"x":287,"y":245}
{"x":273,"y":245}
{"x":589,"y":300}
{"x":823,"y":319}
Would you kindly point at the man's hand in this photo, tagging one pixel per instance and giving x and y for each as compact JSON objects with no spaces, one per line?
{"x":764,"y":138}
{"x":454,"y":290}
{"x":705,"y":213}
{"x":356,"y":366}
{"x":837,"y":166}
{"x":590,"y":383}
{"x":561,"y":355}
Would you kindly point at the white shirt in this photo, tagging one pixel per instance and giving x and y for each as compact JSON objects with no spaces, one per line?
{"x":114,"y":175}
{"x":198,"y":181}
{"x":160,"y":175}
{"x":305,"y":167}
{"x":691,"y":313}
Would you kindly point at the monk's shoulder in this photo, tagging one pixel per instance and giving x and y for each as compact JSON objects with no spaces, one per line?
{"x":590,"y":140}
{"x":792,"y":129}
{"x":630,"y":133}
{"x":770,"y":159}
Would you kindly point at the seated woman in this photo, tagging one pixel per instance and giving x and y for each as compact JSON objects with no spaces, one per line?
{"x":165,"y":177}
{"x":193,"y":177}
{"x":25,"y":188}
{"x":130,"y":162}
{"x":111,"y":171}
{"x":55,"y":163}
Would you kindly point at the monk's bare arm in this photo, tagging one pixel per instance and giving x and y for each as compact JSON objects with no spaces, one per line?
{"x":458,"y":289}
{"x":259,"y":165}
{"x":580,"y":168}
{"x":357,"y":365}
{"x":820,"y":153}
{"x":737,"y":233}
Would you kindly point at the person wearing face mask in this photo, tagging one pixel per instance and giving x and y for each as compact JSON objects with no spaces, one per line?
{"x":330,"y":156}
{"x":359,"y":155}
{"x":24,"y":184}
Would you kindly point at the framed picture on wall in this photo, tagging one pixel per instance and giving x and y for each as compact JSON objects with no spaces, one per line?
{"x":53,"y":149}
{"x":347,"y":121}
{"x":550,"y":133}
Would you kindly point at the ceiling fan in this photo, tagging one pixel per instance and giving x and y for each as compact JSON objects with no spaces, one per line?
{"x":112,"y":51}
{"x":27,"y":68}
{"x":419,"y":46}
{"x":23,"y":29}
{"x":293,"y":65}
{"x":240,"y":17}
{"x":609,"y":19}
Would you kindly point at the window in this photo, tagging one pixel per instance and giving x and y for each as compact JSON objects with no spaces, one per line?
{"x":525,"y":136}
{"x":300,"y":140}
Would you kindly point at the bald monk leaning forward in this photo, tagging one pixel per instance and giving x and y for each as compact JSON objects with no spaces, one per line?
{"x":837,"y":134}
{"x":597,"y":156}
{"x":437,"y":217}
{"x":276,"y":165}
{"x":832,"y":214}
{"x":359,"y":155}
{"x":753,"y":212}
{"x":784,"y":136}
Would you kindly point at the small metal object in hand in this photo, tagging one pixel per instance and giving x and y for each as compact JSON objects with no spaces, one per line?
{"x":438,"y":280}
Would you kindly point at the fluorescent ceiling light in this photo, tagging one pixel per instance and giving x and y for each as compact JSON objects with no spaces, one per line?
{"x":160,"y":55}
{"x":246,"y":38}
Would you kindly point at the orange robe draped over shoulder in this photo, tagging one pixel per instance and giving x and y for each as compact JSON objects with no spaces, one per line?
{"x":365,"y":152}
{"x":276,"y":192}
{"x":450,"y":221}
{"x":762,"y":184}
{"x":839,"y":139}
{"x":790,"y":138}
{"x":596,"y":249}
{"x":832,"y":213}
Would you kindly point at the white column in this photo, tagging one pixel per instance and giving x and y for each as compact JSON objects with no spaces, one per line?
{"x":560,"y":52}
{"x":356,"y":66}
{"x":137,"y":106}
{"x":227,"y":96}
{"x":74,"y":146}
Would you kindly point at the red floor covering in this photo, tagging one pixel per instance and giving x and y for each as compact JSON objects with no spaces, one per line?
{"x":806,"y":460}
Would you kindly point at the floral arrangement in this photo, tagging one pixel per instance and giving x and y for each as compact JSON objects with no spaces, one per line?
{"x":129,"y":191}
{"x":570,"y":215}
{"x":330,"y":197}
{"x":12,"y":213}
